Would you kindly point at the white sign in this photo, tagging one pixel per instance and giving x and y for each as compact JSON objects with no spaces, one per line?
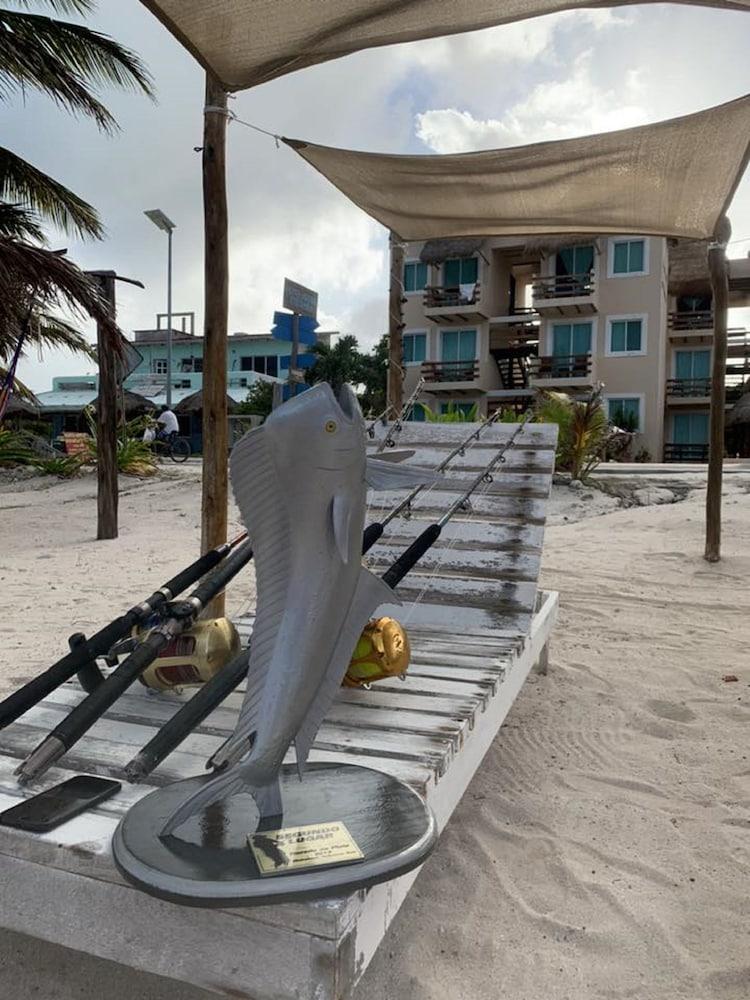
{"x":300,"y":299}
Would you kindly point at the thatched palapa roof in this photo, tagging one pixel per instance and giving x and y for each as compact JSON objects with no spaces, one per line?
{"x":194,"y":403}
{"x":133,"y":401}
{"x":740,"y":412}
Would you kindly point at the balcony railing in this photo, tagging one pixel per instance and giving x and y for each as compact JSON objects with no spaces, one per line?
{"x":561,"y":366}
{"x":450,"y":371}
{"x":685,"y":452}
{"x":703,"y":320}
{"x":564,"y":286}
{"x":689,"y":387}
{"x":436,"y":297}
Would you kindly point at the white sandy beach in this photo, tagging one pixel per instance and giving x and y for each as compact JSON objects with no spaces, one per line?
{"x":602,"y":849}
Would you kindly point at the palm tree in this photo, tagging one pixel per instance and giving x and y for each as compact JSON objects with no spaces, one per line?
{"x":336,"y":364}
{"x":66,"y":61}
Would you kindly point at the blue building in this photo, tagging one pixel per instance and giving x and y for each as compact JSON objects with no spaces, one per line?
{"x":250,"y":358}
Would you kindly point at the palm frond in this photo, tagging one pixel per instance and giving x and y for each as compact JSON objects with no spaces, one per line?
{"x":19,"y":222}
{"x":61,"y":6}
{"x":36,"y":280}
{"x":22,"y":182}
{"x":52,"y":331}
{"x":65,"y":60}
{"x":20,"y":388}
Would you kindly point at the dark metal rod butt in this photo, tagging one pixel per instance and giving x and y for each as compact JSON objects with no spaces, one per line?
{"x":85,"y":714}
{"x":192,"y":713}
{"x":83,"y":653}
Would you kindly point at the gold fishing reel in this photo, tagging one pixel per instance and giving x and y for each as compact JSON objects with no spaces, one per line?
{"x":193,"y":657}
{"x":382,"y":651}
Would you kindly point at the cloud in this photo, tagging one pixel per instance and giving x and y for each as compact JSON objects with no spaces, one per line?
{"x":553,"y":110}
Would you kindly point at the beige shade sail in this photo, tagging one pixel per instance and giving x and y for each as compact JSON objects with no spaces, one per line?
{"x":674,"y":178}
{"x":247,"y":42}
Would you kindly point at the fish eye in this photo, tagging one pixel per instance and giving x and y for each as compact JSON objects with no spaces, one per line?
{"x":330,"y":426}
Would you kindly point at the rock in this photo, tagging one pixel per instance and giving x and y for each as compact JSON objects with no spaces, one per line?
{"x":575,"y":484}
{"x":648,"y":495}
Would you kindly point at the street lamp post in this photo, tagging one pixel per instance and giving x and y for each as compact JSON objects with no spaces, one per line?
{"x":161,"y":221}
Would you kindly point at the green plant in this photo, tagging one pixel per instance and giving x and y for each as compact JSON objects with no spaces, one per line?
{"x":335,"y":363}
{"x":453,"y":415}
{"x":259,"y":399}
{"x":134,"y":455}
{"x":584,"y":431}
{"x":64,"y":466}
{"x":623,"y":420}
{"x":643,"y":455}
{"x":13,"y":449}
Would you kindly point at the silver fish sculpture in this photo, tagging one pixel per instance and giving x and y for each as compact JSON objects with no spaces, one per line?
{"x":300,"y":481}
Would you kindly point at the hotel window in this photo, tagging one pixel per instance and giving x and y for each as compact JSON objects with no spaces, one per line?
{"x":159,"y":366}
{"x":690,"y":428}
{"x":570,"y":339}
{"x":264,"y":364}
{"x":624,"y":412}
{"x":460,"y":271}
{"x":626,"y":335}
{"x":414,"y":348}
{"x":459,"y":345}
{"x":692,"y":365}
{"x":575,"y":260}
{"x":628,"y":257}
{"x":415,"y":276}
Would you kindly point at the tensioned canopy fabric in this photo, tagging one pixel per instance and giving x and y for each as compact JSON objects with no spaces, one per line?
{"x":247,"y":42}
{"x":674,"y":178}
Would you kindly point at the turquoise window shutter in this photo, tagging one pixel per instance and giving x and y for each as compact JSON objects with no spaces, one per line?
{"x":452,"y":273}
{"x":469,"y":270}
{"x":683,"y":365}
{"x":584,"y":260}
{"x":637,"y":250}
{"x":617,"y":342}
{"x":633,"y":339}
{"x":620,"y":264}
{"x":701,"y":364}
{"x":581,"y":338}
{"x":699,"y":428}
{"x":467,"y":345}
{"x":450,"y":345}
{"x":561,"y":338}
{"x":681,"y":428}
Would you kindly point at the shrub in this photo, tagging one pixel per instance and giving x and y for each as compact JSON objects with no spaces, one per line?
{"x":13,"y":448}
{"x":64,"y":466}
{"x":453,"y":415}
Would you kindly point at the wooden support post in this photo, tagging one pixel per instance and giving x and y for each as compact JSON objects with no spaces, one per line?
{"x":106,"y":419}
{"x":719,"y":271}
{"x":214,"y":511}
{"x":396,"y":327}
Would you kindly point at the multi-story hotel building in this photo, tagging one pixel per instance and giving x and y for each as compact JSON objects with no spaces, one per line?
{"x":486,"y":322}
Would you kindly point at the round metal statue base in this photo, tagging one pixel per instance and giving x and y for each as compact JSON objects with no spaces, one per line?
{"x":209,"y":860}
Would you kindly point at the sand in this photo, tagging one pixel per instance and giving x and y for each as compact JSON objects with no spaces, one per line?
{"x":602,"y":849}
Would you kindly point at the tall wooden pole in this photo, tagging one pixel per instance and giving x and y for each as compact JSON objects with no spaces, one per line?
{"x":106,"y":419}
{"x":396,"y":327}
{"x":215,"y":312}
{"x":719,"y":271}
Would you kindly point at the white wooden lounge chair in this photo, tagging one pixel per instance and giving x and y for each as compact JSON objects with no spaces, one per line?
{"x":479,"y":627}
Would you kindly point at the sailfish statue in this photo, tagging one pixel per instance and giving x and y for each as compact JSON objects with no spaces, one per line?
{"x":300,"y":481}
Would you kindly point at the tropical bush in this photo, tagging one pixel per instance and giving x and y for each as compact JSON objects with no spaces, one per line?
{"x":134,"y":455}
{"x":63,"y":466}
{"x":259,"y":399}
{"x":584,"y":430}
{"x":13,"y":448}
{"x":453,"y":415}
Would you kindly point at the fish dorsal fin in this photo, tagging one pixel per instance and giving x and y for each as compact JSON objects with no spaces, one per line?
{"x":341,"y":515}
{"x":395,"y":456}
{"x":382,"y":475}
{"x":369,"y":594}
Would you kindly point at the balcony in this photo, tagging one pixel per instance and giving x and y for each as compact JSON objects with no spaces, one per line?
{"x":688,"y":390}
{"x":565,"y":295}
{"x":454,"y":305}
{"x":551,"y":371}
{"x":450,"y":376}
{"x":685,"y":452}
{"x":686,"y":325}
{"x":520,"y":326}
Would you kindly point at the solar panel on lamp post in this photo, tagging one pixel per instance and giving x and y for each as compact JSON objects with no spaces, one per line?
{"x":161,"y":221}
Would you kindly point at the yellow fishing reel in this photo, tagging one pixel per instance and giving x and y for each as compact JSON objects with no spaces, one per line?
{"x":193,"y":657}
{"x":382,"y":651}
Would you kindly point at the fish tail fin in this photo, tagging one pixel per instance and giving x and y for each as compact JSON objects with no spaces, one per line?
{"x":267,"y":798}
{"x":216,"y":790}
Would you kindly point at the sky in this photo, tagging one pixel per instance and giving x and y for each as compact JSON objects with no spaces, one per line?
{"x":555,"y":77}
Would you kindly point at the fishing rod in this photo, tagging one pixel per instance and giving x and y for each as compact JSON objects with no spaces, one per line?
{"x":398,"y":425}
{"x":180,"y":616}
{"x":83,"y":651}
{"x":222,"y":684}
{"x":374,"y":531}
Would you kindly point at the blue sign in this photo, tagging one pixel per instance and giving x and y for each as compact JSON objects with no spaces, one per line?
{"x":303,"y":360}
{"x":294,"y":389}
{"x":282,"y":328}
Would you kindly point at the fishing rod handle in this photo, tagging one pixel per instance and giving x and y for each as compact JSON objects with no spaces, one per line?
{"x":220,"y":576}
{"x":372,"y":533}
{"x":408,"y":559}
{"x":192,"y":713}
{"x":39,"y":687}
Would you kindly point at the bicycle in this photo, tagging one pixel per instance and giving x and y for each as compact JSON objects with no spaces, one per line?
{"x":175,"y":447}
